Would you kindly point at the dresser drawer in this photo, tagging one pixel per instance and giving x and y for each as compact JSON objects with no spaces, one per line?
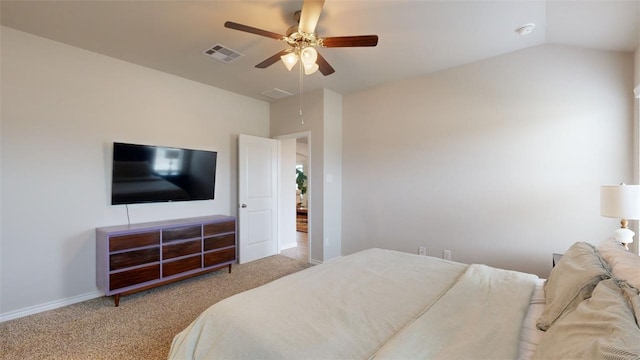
{"x":123,"y":242}
{"x":219,"y":228}
{"x":219,"y":257}
{"x":179,"y":266}
{"x":133,"y":258}
{"x":134,"y":276}
{"x":181,"y":233}
{"x":181,"y":249}
{"x":218,"y":242}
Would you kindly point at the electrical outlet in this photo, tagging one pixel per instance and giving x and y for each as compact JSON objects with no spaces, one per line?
{"x":446,"y":254}
{"x":422,"y":250}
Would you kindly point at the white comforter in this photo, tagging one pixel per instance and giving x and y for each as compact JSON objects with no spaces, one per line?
{"x":376,"y":303}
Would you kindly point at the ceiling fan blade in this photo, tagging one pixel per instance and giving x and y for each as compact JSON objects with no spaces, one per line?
{"x":350,"y":41}
{"x":272,"y":60}
{"x":309,"y":16}
{"x":324,"y":66}
{"x":252,"y":30}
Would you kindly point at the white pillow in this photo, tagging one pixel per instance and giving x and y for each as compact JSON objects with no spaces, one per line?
{"x":624,"y":264}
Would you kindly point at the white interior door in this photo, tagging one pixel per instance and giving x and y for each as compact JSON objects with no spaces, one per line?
{"x":257,"y":197}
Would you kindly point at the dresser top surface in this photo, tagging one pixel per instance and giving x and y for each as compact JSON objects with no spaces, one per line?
{"x":166,"y":223}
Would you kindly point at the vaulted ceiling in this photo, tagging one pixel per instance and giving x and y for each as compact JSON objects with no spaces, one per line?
{"x":415,"y":37}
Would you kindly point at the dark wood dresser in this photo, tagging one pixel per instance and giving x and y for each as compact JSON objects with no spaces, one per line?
{"x":136,"y":257}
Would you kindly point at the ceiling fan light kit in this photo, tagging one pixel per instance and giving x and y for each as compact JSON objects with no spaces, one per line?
{"x":310,"y":69}
{"x":289,"y":60}
{"x":307,"y":55}
{"x":304,"y":41}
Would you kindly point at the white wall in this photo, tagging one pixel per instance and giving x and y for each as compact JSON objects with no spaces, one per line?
{"x":287,"y":206}
{"x":499,"y":161}
{"x":635,"y":247}
{"x":332,"y":194}
{"x":323,"y":119}
{"x":285,"y":120}
{"x":62,"y":108}
{"x":636,"y":58}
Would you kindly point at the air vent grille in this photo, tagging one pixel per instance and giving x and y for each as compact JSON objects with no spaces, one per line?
{"x":222,"y":53}
{"x":276,"y":93}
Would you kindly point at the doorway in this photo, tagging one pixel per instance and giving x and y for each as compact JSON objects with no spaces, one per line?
{"x":302,"y":189}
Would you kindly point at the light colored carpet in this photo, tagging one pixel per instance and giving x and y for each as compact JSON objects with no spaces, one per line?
{"x":144,"y":324}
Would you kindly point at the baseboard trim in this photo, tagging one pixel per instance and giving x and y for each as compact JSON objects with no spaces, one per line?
{"x":49,"y":306}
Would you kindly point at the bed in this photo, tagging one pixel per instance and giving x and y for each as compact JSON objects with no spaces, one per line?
{"x":383,"y":304}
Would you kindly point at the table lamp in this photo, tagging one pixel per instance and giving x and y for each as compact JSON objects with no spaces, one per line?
{"x":622,"y":202}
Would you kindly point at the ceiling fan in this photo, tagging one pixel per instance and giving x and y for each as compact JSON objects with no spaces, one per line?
{"x":303,"y":41}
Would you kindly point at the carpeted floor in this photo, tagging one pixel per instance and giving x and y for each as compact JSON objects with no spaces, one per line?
{"x":144,"y":324}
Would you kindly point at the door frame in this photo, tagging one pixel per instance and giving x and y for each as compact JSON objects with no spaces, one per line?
{"x":304,"y":134}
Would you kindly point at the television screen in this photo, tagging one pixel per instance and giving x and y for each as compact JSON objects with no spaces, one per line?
{"x":145,"y":173}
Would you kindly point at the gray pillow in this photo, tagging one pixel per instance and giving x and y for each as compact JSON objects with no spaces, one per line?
{"x":602,"y":327}
{"x":572,"y":280}
{"x":624,"y":264}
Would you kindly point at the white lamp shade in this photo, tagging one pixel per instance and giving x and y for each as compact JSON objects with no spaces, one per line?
{"x":310,"y":69}
{"x":289,"y":60}
{"x":620,"y":201}
{"x":308,"y":56}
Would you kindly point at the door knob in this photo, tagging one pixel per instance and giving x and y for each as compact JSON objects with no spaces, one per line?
{"x":243,"y":206}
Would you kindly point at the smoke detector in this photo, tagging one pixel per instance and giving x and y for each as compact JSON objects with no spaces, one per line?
{"x":526,"y":29}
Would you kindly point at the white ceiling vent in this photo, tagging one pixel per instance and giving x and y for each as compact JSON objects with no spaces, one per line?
{"x":222,"y":53}
{"x":276,"y":93}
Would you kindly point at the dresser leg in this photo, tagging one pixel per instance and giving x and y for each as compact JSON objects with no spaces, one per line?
{"x":116,"y":300}
{"x":229,"y":268}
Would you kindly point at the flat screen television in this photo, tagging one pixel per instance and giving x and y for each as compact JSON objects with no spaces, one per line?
{"x":147,"y":173}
